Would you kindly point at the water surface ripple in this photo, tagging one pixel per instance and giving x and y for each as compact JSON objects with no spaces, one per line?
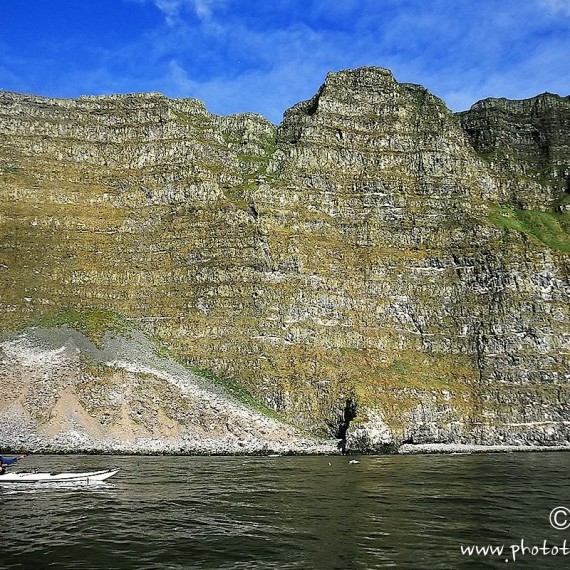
{"x":288,"y":512}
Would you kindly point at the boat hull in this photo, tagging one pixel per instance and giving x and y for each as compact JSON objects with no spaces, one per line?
{"x":89,"y":477}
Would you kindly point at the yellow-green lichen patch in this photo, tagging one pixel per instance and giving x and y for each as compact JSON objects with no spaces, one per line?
{"x":551,"y":228}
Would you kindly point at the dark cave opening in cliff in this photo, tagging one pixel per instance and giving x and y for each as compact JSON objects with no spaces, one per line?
{"x":340,"y":428}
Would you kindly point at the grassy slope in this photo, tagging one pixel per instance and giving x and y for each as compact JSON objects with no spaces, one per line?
{"x":551,"y":228}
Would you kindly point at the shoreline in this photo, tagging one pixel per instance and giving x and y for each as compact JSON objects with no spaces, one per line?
{"x":309,"y":451}
{"x":469,"y":448}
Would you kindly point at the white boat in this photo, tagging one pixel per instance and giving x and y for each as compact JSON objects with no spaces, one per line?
{"x":31,"y":477}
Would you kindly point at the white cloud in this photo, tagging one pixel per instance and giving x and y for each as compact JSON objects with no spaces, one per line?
{"x":266,"y":92}
{"x":173,"y":10}
{"x":244,"y":55}
{"x":180,"y":78}
{"x":204,"y":8}
{"x":269,"y":68}
{"x":170,"y":9}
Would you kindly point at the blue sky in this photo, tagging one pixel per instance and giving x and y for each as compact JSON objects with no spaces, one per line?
{"x":264,"y":56}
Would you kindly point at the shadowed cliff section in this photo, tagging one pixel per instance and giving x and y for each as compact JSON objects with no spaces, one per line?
{"x":527,"y":139}
{"x":367,"y":249}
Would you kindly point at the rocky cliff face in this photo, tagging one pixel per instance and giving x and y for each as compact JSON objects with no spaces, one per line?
{"x":374,"y":263}
{"x":527,"y":143}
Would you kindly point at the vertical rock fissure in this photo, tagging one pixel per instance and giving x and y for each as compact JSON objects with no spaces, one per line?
{"x":348,"y":414}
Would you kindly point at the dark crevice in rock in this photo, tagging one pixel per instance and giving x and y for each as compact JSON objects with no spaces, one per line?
{"x":340,"y":427}
{"x":312,"y":106}
{"x":252,"y":211}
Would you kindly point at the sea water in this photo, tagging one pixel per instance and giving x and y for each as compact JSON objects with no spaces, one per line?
{"x":430,"y":511}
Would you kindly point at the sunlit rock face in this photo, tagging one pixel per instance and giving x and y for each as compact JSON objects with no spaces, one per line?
{"x":373,"y":248}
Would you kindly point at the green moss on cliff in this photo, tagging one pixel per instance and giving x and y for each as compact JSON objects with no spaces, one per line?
{"x":94,"y":324}
{"x":226,"y":384}
{"x":551,"y":228}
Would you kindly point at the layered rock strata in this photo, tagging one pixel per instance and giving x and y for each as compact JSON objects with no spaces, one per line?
{"x":363,"y":255}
